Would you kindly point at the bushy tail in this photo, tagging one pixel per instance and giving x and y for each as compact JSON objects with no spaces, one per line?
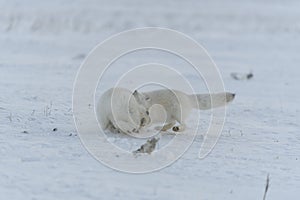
{"x":209,"y":101}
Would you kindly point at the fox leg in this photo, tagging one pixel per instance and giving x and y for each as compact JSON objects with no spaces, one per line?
{"x":167,"y":126}
{"x":126,"y":127}
{"x":112,"y":128}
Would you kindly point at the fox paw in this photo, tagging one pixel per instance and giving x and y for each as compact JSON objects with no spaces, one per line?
{"x":132,"y":131}
{"x":175,"y":128}
{"x":135,"y":130}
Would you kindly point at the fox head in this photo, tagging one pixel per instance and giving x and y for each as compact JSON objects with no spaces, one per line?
{"x":144,"y":104}
{"x":142,"y":99}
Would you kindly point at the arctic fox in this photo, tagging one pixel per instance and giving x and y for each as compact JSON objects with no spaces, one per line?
{"x":122,"y":113}
{"x":178,"y":105}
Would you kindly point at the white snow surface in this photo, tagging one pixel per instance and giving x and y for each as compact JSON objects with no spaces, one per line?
{"x":42,"y":45}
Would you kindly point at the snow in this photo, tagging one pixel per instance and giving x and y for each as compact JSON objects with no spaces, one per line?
{"x":42,"y":46}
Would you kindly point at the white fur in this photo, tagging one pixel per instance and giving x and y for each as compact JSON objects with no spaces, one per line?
{"x":178,"y":105}
{"x":129,"y":116}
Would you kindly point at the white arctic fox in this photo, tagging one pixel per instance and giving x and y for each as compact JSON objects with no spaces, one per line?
{"x":178,"y":105}
{"x":121,"y":112}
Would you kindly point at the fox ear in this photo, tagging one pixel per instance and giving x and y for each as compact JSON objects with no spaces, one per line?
{"x":140,"y":97}
{"x":135,"y":93}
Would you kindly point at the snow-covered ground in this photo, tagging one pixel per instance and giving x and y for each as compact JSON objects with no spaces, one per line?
{"x":42,"y":44}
